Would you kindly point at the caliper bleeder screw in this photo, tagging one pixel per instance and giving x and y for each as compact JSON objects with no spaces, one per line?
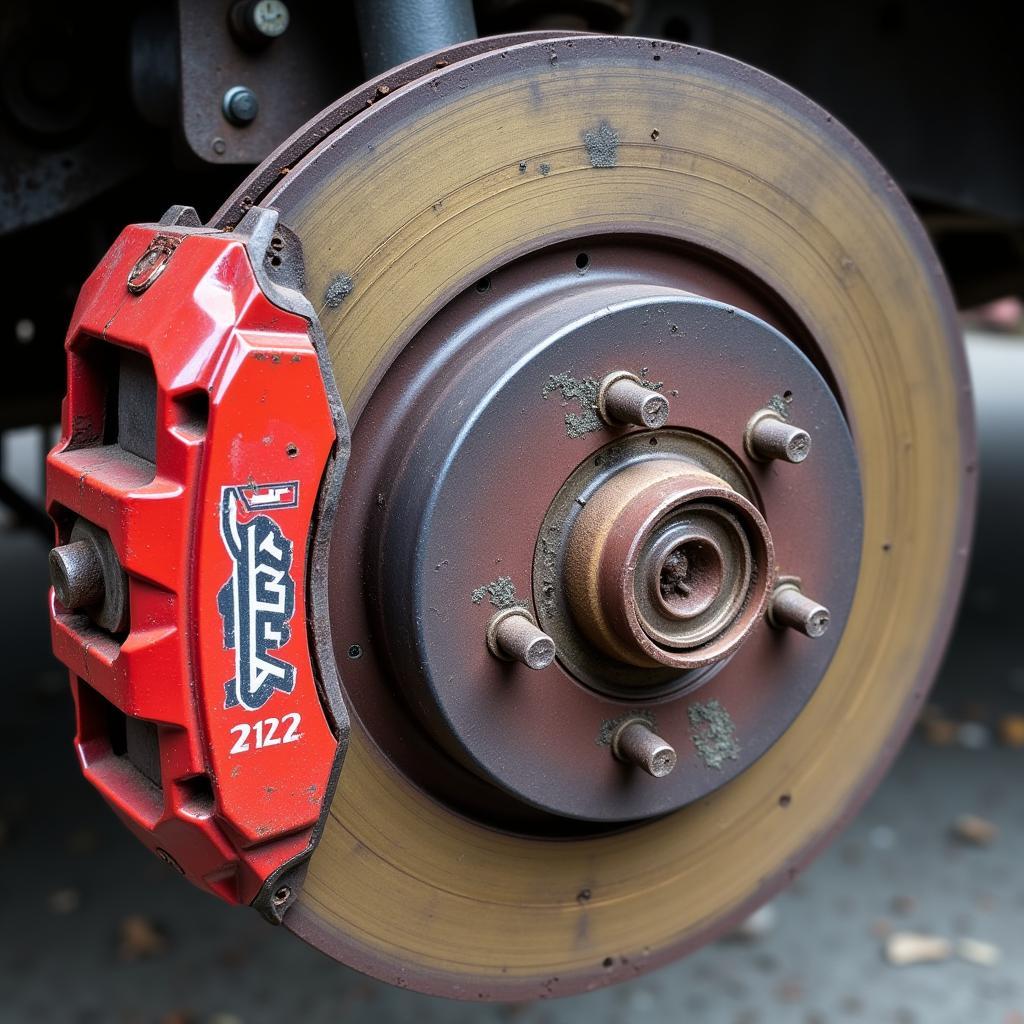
{"x":512,"y":635}
{"x":624,"y":398}
{"x":635,"y":742}
{"x":769,"y":436}
{"x":790,"y":608}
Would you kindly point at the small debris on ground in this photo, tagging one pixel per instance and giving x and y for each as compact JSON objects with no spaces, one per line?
{"x":139,"y":938}
{"x":64,"y":901}
{"x":974,"y":831}
{"x":974,"y":736}
{"x":903,"y":949}
{"x":757,"y":925}
{"x":1011,"y":731}
{"x":974,"y":951}
{"x":882,"y":838}
{"x":902,"y":905}
{"x":938,"y":728}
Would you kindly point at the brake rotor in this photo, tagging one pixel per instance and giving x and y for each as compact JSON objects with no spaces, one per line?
{"x":485,"y":246}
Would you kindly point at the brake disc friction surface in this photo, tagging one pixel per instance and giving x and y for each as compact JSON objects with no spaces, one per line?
{"x":474,"y":165}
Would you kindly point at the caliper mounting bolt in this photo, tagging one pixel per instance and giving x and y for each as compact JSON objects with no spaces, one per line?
{"x":76,"y":572}
{"x":637,"y":743}
{"x":769,"y":436}
{"x":624,"y":398}
{"x":790,"y":608}
{"x":513,"y":635}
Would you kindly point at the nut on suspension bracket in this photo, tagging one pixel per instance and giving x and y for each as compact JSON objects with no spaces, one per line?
{"x":790,"y":608}
{"x":624,"y":398}
{"x":768,"y":436}
{"x":513,"y":635}
{"x":636,"y":743}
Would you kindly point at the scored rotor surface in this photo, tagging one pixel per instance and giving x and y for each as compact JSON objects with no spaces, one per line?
{"x":473,"y":165}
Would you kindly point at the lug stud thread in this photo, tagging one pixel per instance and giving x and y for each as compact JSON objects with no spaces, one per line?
{"x":512,"y":635}
{"x":790,"y":608}
{"x":638,"y":744}
{"x":769,"y":437}
{"x":623,"y":398}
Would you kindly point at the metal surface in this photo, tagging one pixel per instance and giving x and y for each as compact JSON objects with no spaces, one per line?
{"x":826,"y":256}
{"x":513,"y":635}
{"x":204,"y":529}
{"x":392,"y":32}
{"x":769,"y":436}
{"x":413,"y":577}
{"x":636,"y":743}
{"x":790,"y":607}
{"x":623,"y":398}
{"x":667,"y":564}
{"x":294,"y":77}
{"x":87,"y":576}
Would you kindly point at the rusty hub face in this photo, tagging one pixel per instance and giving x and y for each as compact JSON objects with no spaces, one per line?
{"x":485,"y":476}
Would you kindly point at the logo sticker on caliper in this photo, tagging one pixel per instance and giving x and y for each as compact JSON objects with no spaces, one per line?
{"x":258,"y":599}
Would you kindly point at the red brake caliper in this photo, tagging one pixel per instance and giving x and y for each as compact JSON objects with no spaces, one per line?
{"x":192,"y":489}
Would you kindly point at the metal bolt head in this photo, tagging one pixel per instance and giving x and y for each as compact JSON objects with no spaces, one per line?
{"x":512,"y":635}
{"x":635,"y":742}
{"x":76,"y":574}
{"x":240,"y":105}
{"x":257,"y":23}
{"x":269,"y":18}
{"x":770,"y":437}
{"x":790,"y":608}
{"x":624,"y":398}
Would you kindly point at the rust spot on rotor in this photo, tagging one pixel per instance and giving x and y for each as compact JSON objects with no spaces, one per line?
{"x":500,"y":592}
{"x":338,"y":291}
{"x":602,"y":145}
{"x":713,"y":733}
{"x":582,"y":390}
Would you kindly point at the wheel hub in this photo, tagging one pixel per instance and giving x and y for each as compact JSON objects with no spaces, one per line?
{"x":490,"y":471}
{"x":666,"y":564}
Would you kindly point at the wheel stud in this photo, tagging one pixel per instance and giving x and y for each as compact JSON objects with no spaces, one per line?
{"x":637,"y":743}
{"x":770,"y":437}
{"x":624,"y":398}
{"x":512,"y":635}
{"x":790,"y":608}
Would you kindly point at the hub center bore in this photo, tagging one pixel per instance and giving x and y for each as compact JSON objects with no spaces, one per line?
{"x":689,"y":578}
{"x":667,"y":564}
